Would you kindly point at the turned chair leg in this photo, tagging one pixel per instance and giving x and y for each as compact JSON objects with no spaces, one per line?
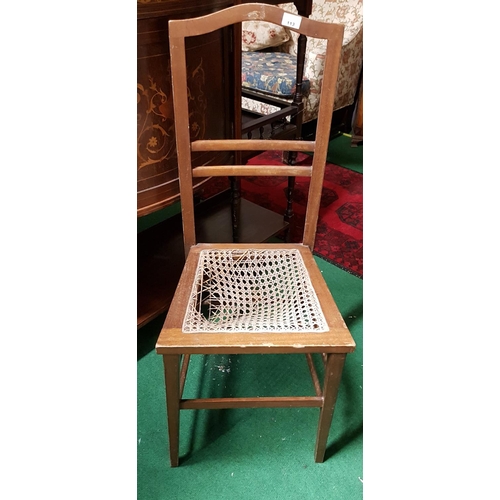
{"x":171,"y":368}
{"x":333,"y":373}
{"x":288,"y":216}
{"x":235,"y":207}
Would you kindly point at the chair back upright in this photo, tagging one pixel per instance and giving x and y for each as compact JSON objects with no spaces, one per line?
{"x":179,"y":30}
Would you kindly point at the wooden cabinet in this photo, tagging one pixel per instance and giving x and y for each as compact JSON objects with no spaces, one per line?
{"x":209,"y":61}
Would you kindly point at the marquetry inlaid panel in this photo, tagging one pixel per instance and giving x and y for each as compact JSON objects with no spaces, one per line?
{"x":210,"y":102}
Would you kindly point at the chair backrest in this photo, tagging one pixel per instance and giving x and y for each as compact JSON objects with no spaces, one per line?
{"x":179,"y":30}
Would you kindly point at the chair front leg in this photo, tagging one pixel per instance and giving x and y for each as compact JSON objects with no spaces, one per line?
{"x":333,"y":373}
{"x":171,"y":369}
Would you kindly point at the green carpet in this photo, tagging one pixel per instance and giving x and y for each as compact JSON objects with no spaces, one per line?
{"x":341,"y":153}
{"x":255,"y":453}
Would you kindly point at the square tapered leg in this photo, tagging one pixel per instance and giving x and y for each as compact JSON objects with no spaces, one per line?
{"x":171,"y":367}
{"x":333,"y":373}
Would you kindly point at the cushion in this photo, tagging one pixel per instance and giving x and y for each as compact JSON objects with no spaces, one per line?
{"x":273,"y":73}
{"x":257,"y":35}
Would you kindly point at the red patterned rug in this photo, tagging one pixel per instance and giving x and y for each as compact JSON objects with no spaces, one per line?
{"x":339,"y":237}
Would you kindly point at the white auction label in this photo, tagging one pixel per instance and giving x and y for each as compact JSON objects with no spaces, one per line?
{"x":291,"y":20}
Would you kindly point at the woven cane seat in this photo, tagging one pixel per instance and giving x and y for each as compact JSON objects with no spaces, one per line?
{"x":252,"y":290}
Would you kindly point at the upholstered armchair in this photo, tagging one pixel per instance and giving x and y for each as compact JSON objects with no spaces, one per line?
{"x":263,"y":38}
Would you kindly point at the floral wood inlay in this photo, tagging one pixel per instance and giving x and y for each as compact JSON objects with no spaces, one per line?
{"x":155,"y":136}
{"x":155,"y":119}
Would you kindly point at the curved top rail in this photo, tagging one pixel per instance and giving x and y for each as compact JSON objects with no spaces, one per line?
{"x":252,"y":12}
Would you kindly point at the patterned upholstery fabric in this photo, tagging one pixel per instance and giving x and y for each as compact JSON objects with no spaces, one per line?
{"x":271,"y":72}
{"x":258,"y":35}
{"x":347,"y":12}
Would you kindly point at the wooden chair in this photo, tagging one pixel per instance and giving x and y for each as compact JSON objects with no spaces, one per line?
{"x":252,"y":298}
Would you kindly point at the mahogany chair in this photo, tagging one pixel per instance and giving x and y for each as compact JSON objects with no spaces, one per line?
{"x":252,"y":298}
